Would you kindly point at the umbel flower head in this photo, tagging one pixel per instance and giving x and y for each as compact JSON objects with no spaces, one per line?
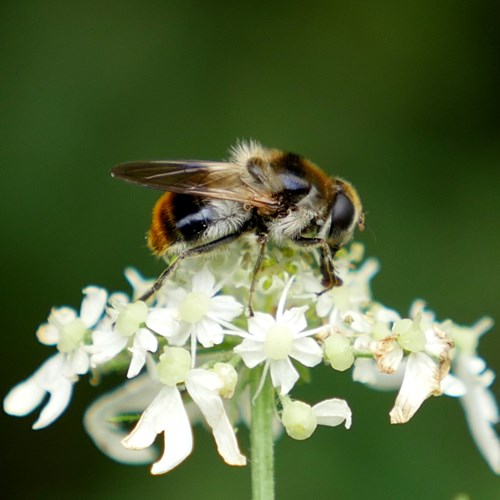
{"x":189,"y":355}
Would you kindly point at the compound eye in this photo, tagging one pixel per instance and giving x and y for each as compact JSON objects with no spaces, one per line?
{"x":342,"y":214}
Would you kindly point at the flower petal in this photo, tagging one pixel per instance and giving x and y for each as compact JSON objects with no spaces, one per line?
{"x":283,"y":375}
{"x":59,"y":398}
{"x":422,"y":379}
{"x":224,"y":307}
{"x":105,"y":346}
{"x":62,"y":315}
{"x":48,"y":334}
{"x":388,"y":355}
{"x":366,"y":372}
{"x":165,"y":414}
{"x":295,"y":318}
{"x":78,"y":363}
{"x":307,"y":351}
{"x":203,"y":387}
{"x":23,"y":398}
{"x":333,"y":412}
{"x":208,"y":332}
{"x":480,"y":408}
{"x":28,"y":395}
{"x":144,"y":341}
{"x":259,"y":324}
{"x":203,"y":281}
{"x":251,"y":352}
{"x":162,"y":321}
{"x":93,"y":305}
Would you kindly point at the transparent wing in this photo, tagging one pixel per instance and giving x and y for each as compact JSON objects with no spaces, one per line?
{"x":219,"y":180}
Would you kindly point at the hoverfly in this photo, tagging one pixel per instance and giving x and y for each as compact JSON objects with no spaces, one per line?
{"x":280,"y":197}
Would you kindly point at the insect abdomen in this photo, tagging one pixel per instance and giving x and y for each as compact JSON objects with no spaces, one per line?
{"x":186,"y":219}
{"x":162,"y":233}
{"x":178,"y":218}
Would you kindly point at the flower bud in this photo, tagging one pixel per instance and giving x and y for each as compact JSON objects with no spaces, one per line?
{"x":298,"y":419}
{"x":174,"y":365}
{"x":339,"y":352}
{"x":410,"y":335}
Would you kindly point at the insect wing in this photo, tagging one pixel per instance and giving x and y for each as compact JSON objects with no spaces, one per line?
{"x":219,"y":180}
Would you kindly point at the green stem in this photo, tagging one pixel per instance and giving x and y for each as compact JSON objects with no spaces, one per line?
{"x":261,"y":438}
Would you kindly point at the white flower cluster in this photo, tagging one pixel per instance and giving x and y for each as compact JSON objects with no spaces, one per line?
{"x":194,"y":346}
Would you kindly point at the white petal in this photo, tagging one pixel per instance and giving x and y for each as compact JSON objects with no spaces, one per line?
{"x":50,"y":371}
{"x":203,"y":387}
{"x":359,"y":322}
{"x":181,"y":337}
{"x":59,"y":398}
{"x":48,"y":334}
{"x":453,"y":386}
{"x":251,"y":352}
{"x":138,"y":283}
{"x":224,"y":307}
{"x":295,"y":319}
{"x":144,"y":341}
{"x":284,"y":375}
{"x":62,"y":315}
{"x":259,"y":324}
{"x":208,"y":332}
{"x":131,"y":397}
{"x":78,"y":363}
{"x":23,"y":398}
{"x":105,"y":346}
{"x":366,"y":372}
{"x":165,"y":414}
{"x":136,"y":363}
{"x":93,"y":305}
{"x":161,"y":321}
{"x":307,"y":351}
{"x":388,"y":355}
{"x":203,"y":282}
{"x":422,"y":378}
{"x":324,"y":305}
{"x":178,"y":445}
{"x":437,"y":343}
{"x":153,"y":420}
{"x":333,"y":412}
{"x":480,"y":410}
{"x":28,"y":395}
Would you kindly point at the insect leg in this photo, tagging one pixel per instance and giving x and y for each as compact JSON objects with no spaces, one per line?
{"x":330,"y":279}
{"x":205,"y":248}
{"x":262,"y":240}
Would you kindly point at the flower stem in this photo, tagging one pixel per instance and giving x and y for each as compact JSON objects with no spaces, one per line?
{"x":261,"y":438}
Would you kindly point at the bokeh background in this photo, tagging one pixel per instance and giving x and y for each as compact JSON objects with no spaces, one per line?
{"x":401,"y":98}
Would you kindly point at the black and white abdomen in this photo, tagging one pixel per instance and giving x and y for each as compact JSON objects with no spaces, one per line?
{"x":182,"y":221}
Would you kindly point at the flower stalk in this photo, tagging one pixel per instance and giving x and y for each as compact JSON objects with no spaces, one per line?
{"x":261,"y":437}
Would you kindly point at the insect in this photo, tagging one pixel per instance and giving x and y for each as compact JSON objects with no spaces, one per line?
{"x":280,"y":197}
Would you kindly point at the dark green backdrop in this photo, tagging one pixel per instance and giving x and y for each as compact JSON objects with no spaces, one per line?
{"x":401,"y":98}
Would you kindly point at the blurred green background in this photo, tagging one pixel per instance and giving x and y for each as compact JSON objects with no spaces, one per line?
{"x":401,"y":98}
